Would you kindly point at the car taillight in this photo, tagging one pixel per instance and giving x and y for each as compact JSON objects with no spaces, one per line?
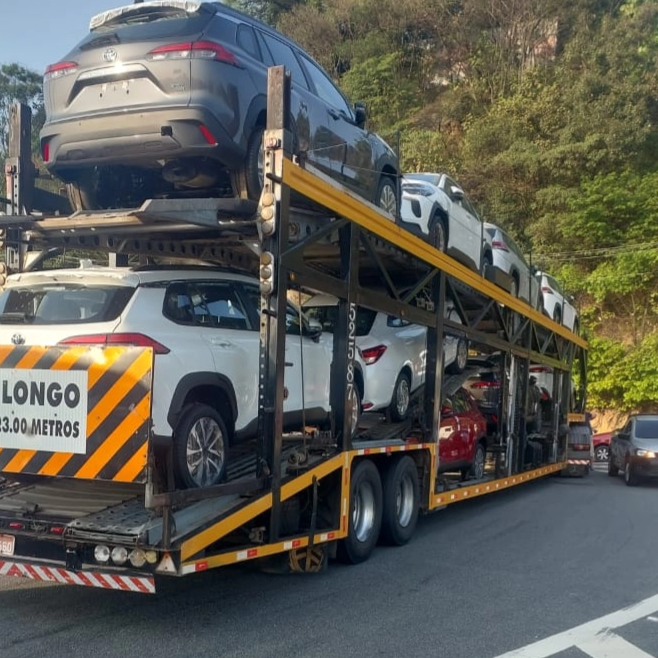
{"x":45,"y":151}
{"x":134,"y":340}
{"x":545,"y":369}
{"x":194,"y":50}
{"x":59,"y":70}
{"x":485,"y":385}
{"x":547,"y":289}
{"x":499,"y":244}
{"x":579,"y":447}
{"x":373,"y":354}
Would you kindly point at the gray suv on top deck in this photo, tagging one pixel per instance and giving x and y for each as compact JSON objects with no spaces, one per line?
{"x":168,"y":98}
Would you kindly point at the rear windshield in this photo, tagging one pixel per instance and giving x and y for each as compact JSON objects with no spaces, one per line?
{"x":328,"y":317}
{"x":63,"y":304}
{"x":646,"y":429}
{"x":149,"y":23}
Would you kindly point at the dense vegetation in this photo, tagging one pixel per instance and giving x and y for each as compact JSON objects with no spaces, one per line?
{"x":546,"y":111}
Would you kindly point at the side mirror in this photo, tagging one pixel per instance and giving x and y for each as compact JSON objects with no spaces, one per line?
{"x":314,"y":329}
{"x":457,"y":193}
{"x":360,"y":115}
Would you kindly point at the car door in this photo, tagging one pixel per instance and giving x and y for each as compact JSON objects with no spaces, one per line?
{"x":223,"y":324}
{"x":351,"y":151}
{"x":465,"y":232}
{"x":465,"y":434}
{"x":311,"y":125}
{"x":409,"y":341}
{"x":448,"y":435}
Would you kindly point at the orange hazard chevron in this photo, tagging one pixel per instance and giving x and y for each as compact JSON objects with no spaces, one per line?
{"x":35,"y":438}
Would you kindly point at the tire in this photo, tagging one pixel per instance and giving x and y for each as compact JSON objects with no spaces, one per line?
{"x":461,"y":359}
{"x":401,"y":399}
{"x":82,"y":191}
{"x":487,"y":263}
{"x":200,"y":427}
{"x":514,"y":290}
{"x":479,"y":462}
{"x":365,"y":518}
{"x":557,"y":315}
{"x":438,"y":237}
{"x":252,"y":174}
{"x":356,"y":409}
{"x":630,"y":475}
{"x":613,"y":470}
{"x":602,"y":453}
{"x":401,"y":502}
{"x":576,"y":328}
{"x":387,"y":196}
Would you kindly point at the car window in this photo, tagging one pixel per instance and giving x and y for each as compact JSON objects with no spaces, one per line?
{"x":246,"y":39}
{"x":392,"y":321}
{"x":553,"y":284}
{"x":326,"y":89}
{"x":646,"y":428}
{"x":328,"y":318}
{"x":63,"y":304}
{"x":467,"y":205}
{"x":283,"y":54}
{"x":213,"y":304}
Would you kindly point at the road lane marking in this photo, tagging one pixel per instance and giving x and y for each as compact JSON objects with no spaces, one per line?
{"x":611,"y":645}
{"x":588,"y":631}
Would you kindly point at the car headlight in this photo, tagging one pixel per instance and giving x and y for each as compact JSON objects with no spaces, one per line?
{"x":649,"y":454}
{"x":422,"y":190}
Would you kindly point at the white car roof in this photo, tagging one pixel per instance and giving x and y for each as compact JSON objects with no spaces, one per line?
{"x":122,"y":276}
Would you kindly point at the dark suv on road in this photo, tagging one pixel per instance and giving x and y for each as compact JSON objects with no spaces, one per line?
{"x":634,"y":449}
{"x":168,"y":98}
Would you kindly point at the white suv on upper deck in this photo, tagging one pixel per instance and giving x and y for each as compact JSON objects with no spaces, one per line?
{"x":203,"y":326}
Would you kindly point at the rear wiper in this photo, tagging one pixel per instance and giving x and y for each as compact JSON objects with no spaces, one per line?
{"x":104,"y":40}
{"x":15,"y":317}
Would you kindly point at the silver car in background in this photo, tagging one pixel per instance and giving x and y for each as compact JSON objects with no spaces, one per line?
{"x":556,"y":304}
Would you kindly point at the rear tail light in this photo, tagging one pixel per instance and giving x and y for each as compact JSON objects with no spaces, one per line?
{"x":499,"y":244}
{"x":208,"y":136}
{"x":135,"y":340}
{"x":547,"y":289}
{"x":45,"y":151}
{"x":479,"y":385}
{"x":373,"y":354}
{"x":59,"y":70}
{"x":579,"y":447}
{"x":16,"y":525}
{"x":194,"y":50}
{"x":540,"y":369}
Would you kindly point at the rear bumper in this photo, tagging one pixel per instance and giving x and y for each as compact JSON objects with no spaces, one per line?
{"x":139,"y":137}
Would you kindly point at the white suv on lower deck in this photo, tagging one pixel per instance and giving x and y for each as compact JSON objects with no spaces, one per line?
{"x":203,"y":325}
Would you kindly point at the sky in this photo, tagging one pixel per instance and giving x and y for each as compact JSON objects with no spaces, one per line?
{"x":35,"y":33}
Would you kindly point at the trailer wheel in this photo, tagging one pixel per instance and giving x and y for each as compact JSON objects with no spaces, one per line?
{"x":365,"y":519}
{"x":479,"y":461}
{"x":401,"y":501}
{"x":200,"y":447}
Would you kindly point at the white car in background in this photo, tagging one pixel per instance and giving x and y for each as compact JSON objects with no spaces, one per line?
{"x":393,"y":351}
{"x":436,"y":208}
{"x":556,"y":304}
{"x":508,"y":258}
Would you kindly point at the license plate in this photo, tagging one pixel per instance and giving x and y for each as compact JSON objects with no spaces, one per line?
{"x":6,"y":545}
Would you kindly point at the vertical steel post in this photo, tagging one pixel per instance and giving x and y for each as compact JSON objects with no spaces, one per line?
{"x":435,"y":360}
{"x":343,"y":381}
{"x":273,"y":232}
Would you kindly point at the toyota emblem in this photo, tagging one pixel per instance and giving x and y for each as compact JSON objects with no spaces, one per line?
{"x":17,"y":339}
{"x":110,"y":55}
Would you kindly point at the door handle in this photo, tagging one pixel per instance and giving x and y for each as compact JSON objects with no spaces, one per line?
{"x":303,"y":106}
{"x":334,"y":114}
{"x":219,"y":342}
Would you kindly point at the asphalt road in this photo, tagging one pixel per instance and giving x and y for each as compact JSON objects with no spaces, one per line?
{"x":480,"y":579}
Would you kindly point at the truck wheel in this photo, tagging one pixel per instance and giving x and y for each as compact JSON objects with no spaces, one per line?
{"x":630,"y":474}
{"x":613,"y":469}
{"x":365,"y":519}
{"x":200,"y":447}
{"x":401,"y":398}
{"x":401,"y":501}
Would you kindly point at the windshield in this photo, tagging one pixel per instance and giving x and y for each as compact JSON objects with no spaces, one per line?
{"x":433,"y":179}
{"x":63,"y":304}
{"x":646,"y":428}
{"x":328,"y":317}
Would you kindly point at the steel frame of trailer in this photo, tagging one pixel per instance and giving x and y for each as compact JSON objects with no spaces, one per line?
{"x":344,"y":246}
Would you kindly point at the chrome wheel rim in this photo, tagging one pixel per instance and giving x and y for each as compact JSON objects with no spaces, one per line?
{"x":205,"y":452}
{"x":363,"y":513}
{"x":404,"y":500}
{"x":355,"y":410}
{"x":602,"y":453}
{"x":402,"y":397}
{"x":478,"y":466}
{"x":462,"y":354}
{"x":388,"y":200}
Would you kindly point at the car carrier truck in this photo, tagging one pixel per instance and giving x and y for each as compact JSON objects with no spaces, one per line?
{"x":87,"y":495}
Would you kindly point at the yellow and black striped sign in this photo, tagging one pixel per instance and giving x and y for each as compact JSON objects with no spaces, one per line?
{"x":119,"y":382}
